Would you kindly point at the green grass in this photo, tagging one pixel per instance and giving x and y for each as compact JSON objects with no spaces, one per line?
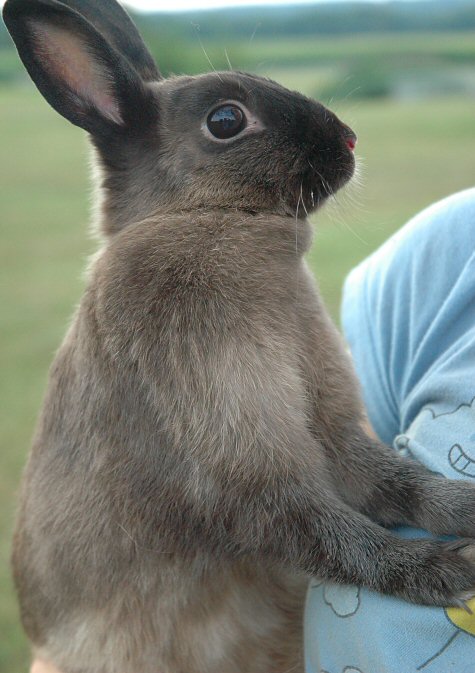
{"x":43,"y":243}
{"x":455,"y":47}
{"x":412,"y":154}
{"x":397,"y":51}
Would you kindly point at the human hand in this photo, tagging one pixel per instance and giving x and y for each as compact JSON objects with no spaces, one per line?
{"x":43,"y":667}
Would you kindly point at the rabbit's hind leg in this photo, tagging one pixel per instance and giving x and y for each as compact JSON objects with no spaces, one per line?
{"x":252,"y":623}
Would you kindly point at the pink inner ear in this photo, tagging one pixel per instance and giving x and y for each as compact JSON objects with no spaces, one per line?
{"x":66,"y":57}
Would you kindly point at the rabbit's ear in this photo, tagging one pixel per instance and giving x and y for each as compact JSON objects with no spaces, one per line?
{"x":113,"y":22}
{"x":78,"y":72}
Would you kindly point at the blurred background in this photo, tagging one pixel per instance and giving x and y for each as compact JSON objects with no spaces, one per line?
{"x":401,"y":73}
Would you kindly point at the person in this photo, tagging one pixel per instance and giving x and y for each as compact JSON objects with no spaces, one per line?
{"x":42,"y":667}
{"x":409,"y":318}
{"x":408,"y":314}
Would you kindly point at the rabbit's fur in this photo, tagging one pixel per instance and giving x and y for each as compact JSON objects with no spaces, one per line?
{"x":201,"y":449}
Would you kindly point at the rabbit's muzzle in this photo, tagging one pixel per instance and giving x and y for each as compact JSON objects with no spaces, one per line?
{"x":326,"y":160}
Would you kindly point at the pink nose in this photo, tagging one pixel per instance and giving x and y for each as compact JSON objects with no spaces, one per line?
{"x":349,"y":136}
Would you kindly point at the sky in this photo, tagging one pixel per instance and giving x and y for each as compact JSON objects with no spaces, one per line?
{"x":182,"y":5}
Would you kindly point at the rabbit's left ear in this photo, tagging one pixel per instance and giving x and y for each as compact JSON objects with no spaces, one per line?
{"x":113,"y":22}
{"x":76,"y":69}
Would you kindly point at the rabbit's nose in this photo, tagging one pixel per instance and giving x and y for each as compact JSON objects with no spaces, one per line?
{"x":350,"y":138}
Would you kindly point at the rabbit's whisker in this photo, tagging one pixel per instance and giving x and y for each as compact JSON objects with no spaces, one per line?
{"x":325,"y":184}
{"x":302,"y":199}
{"x":197,"y":29}
{"x":258,"y":25}
{"x":228,"y":59}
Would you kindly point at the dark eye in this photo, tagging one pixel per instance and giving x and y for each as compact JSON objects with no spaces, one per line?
{"x":226,"y":121}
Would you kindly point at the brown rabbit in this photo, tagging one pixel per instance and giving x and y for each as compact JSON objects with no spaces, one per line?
{"x":200,"y":451}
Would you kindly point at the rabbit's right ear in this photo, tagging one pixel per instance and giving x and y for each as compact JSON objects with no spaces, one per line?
{"x":77,"y":70}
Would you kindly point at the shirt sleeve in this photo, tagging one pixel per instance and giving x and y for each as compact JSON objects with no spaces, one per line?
{"x":408,"y":314}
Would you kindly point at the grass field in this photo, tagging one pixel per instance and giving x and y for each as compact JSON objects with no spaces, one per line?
{"x":411,"y":154}
{"x":261,"y":47}
{"x":331,"y":49}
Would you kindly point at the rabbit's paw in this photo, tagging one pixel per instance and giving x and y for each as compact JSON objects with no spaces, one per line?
{"x":443,"y":575}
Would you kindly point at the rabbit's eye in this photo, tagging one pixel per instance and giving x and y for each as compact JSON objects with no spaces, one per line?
{"x":226,"y":121}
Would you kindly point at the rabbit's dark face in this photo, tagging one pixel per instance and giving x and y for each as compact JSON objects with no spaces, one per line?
{"x":237,"y":140}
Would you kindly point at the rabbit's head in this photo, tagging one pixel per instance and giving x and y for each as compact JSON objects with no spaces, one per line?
{"x":224,"y":140}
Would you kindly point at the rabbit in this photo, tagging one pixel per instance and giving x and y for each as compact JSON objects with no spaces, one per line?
{"x":201,"y":451}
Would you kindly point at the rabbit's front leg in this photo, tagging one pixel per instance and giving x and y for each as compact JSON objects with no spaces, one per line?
{"x":295,"y":518}
{"x":371,"y":477}
{"x":392,"y":490}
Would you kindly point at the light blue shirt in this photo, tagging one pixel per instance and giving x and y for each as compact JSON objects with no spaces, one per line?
{"x":409,"y":318}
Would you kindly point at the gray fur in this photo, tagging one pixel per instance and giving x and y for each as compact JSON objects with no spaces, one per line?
{"x":201,"y":452}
